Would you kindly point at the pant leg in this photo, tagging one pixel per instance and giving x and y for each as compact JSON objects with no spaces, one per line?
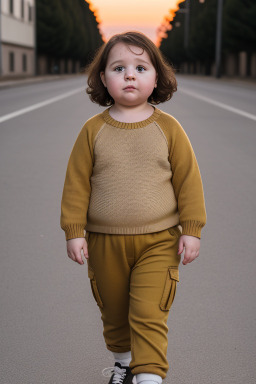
{"x":152,"y":290}
{"x":109,"y":274}
{"x":147,"y":266}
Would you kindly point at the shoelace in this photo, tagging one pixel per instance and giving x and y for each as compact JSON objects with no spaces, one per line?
{"x":119,"y":374}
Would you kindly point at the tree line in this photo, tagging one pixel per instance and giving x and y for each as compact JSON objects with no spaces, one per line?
{"x":238,"y":32}
{"x":66,"y":30}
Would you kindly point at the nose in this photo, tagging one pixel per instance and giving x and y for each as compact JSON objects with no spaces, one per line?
{"x":130,"y":76}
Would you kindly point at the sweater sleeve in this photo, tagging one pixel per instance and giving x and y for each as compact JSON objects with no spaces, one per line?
{"x":77,"y":187}
{"x":187,"y":183}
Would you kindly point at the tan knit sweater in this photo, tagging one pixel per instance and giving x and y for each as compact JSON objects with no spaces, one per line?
{"x":132,"y":178}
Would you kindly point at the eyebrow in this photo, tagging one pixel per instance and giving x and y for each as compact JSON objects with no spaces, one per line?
{"x":121,"y":61}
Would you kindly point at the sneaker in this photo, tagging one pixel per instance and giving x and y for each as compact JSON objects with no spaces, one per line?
{"x":119,"y":374}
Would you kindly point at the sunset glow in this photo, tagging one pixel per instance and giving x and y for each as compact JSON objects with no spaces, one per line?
{"x":150,"y":17}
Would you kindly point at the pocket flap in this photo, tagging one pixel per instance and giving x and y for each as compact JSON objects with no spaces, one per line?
{"x":174,"y":274}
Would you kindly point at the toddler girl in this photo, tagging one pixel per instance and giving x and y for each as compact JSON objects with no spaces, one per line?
{"x":133,"y":184}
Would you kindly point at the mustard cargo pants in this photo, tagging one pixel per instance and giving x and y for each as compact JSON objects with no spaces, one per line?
{"x":133,"y":280}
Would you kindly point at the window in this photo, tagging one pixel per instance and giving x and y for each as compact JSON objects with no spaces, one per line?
{"x":24,"y":62}
{"x":11,"y":7}
{"x":11,"y":61}
{"x":22,"y":9}
{"x":30,"y":12}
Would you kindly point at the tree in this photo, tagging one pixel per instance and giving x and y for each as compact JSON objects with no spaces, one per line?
{"x":53,"y":32}
{"x":66,"y":29}
{"x":239,"y":26}
{"x":173,"y":45}
{"x":239,"y":32}
{"x":202,"y":38}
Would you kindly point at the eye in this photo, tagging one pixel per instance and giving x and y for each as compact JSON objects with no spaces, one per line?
{"x":119,"y":68}
{"x":140,"y":68}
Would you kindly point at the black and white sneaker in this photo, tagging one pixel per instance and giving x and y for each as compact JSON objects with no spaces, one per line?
{"x":119,"y":374}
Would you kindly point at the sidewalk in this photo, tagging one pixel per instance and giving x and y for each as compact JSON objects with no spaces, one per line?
{"x":16,"y":82}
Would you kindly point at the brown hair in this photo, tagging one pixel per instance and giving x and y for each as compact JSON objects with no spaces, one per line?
{"x":166,"y":83}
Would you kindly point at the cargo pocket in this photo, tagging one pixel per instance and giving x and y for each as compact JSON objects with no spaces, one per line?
{"x":94,"y":287}
{"x":169,"y":288}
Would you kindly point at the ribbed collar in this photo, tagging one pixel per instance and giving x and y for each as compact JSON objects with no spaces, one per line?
{"x":139,"y":124}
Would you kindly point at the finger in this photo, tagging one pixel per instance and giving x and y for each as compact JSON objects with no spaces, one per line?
{"x":79,"y":259}
{"x":194,"y":255}
{"x":181,"y":247}
{"x":85,"y":250}
{"x":75,"y":257}
{"x":186,"y":261}
{"x":187,"y":256}
{"x":190,"y":256}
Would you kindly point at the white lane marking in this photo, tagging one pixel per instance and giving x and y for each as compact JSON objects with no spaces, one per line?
{"x":39,"y":105}
{"x":218,"y":104}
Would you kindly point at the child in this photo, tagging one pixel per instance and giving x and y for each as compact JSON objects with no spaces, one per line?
{"x":132,"y":179}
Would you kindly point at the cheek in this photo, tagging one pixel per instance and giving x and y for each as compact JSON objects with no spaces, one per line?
{"x":149,"y":87}
{"x":149,"y":81}
{"x":112,"y":84}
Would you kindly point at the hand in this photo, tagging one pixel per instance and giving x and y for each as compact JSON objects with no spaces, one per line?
{"x":192,"y":246}
{"x":74,"y":248}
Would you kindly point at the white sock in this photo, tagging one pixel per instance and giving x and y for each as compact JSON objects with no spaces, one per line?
{"x":148,"y":378}
{"x":123,"y":358}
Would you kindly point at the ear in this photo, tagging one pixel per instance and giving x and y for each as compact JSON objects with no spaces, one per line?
{"x":102,"y":76}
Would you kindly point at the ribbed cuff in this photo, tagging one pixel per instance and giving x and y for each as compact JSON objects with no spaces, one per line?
{"x":74,"y":231}
{"x":192,"y":228}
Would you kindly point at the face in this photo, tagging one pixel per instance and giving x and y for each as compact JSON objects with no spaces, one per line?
{"x":129,"y":76}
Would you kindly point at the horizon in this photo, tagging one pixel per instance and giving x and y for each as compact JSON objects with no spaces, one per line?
{"x":114,"y":17}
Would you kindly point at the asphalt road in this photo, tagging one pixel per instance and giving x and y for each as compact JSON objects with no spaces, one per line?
{"x":51,"y":330}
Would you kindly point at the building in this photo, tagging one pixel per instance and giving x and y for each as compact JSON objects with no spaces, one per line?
{"x":17,"y":38}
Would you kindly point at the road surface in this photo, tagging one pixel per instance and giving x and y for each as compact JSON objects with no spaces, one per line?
{"x":51,"y":331}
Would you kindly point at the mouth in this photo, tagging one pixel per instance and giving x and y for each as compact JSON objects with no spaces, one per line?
{"x":129,"y":88}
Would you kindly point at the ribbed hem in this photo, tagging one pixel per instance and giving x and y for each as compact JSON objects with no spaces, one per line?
{"x":73,"y":231}
{"x":192,"y":228}
{"x":106,"y":116}
{"x":151,"y":228}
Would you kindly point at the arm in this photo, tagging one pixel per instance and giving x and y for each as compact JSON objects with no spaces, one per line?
{"x":189,"y":194}
{"x":187,"y":184}
{"x":77,"y":187}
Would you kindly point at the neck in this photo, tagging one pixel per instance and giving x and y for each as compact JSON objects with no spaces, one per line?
{"x":131,"y":114}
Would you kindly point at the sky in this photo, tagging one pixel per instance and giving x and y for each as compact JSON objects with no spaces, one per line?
{"x":146,"y":16}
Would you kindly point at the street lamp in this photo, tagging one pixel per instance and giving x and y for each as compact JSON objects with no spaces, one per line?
{"x":186,"y":11}
{"x":187,"y":20}
{"x":218,"y":39}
